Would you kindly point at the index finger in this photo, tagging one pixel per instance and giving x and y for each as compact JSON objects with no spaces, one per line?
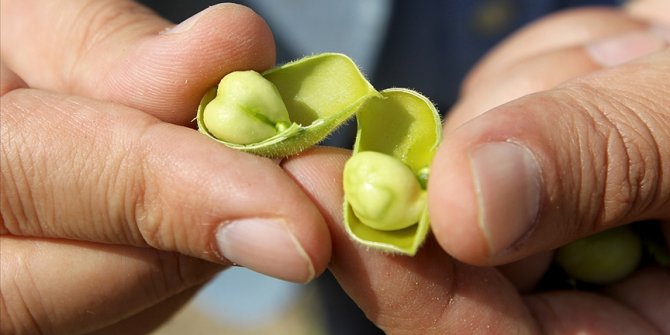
{"x":80,"y":169}
{"x":118,"y":50}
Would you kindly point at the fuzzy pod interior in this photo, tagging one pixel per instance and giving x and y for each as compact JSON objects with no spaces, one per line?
{"x":405,"y":125}
{"x":320,"y":93}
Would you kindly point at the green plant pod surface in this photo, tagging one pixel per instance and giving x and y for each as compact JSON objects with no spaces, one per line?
{"x":405,"y":125}
{"x":320,"y":93}
{"x":602,"y":258}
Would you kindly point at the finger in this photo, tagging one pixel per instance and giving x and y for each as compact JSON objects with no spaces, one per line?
{"x":66,"y":287}
{"x":651,"y":10}
{"x":425,"y":294}
{"x":120,"y":51}
{"x":151,"y":319}
{"x":548,"y":70}
{"x":574,"y":312}
{"x":648,"y":293}
{"x":533,"y":75}
{"x":430,"y":293}
{"x":81,"y":169}
{"x":562,"y":30}
{"x":526,"y":273}
{"x":554,"y":166}
{"x":9,"y":80}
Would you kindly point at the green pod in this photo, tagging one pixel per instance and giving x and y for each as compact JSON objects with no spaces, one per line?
{"x":602,"y":258}
{"x":319,"y":93}
{"x":406,"y":126}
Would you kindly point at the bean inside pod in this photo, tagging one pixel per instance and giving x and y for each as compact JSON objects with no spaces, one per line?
{"x":602,"y":258}
{"x":286,"y":109}
{"x":385,"y":179}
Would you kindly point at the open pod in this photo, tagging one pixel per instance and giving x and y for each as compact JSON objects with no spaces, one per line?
{"x":405,"y":125}
{"x":320,"y":93}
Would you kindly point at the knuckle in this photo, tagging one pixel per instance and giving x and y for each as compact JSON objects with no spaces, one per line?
{"x":140,"y":211}
{"x":146,"y":213}
{"x":20,"y":167}
{"x":623,"y":160}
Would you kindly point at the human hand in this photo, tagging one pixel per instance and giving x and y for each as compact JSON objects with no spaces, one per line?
{"x":581,"y":146}
{"x":114,"y":213}
{"x":598,"y":131}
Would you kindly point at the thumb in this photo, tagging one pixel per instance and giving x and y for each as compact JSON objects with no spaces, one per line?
{"x":554,"y":166}
{"x":120,"y":51}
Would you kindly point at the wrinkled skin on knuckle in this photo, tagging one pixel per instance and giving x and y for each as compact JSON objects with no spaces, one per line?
{"x":93,"y":189}
{"x":156,"y":212}
{"x":116,"y":199}
{"x":19,"y":166}
{"x":623,"y":161}
{"x":145,"y":210}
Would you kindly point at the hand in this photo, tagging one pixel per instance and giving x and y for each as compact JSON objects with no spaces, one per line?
{"x":585,"y":152}
{"x":596,"y":130}
{"x":114,"y":213}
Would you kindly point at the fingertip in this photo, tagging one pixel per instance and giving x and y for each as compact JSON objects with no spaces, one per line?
{"x":217,"y":40}
{"x":274,"y":247}
{"x":452,"y":203}
{"x":172,"y":69}
{"x":485,"y":190}
{"x":231,"y":28}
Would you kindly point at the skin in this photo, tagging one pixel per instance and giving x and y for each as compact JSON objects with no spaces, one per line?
{"x":168,"y":260}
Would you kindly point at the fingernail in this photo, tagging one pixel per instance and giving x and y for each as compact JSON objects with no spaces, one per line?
{"x":265,"y":246}
{"x":507,"y":185}
{"x":617,"y":50}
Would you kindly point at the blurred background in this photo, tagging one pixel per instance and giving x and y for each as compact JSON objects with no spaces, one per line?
{"x":426,"y":45}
